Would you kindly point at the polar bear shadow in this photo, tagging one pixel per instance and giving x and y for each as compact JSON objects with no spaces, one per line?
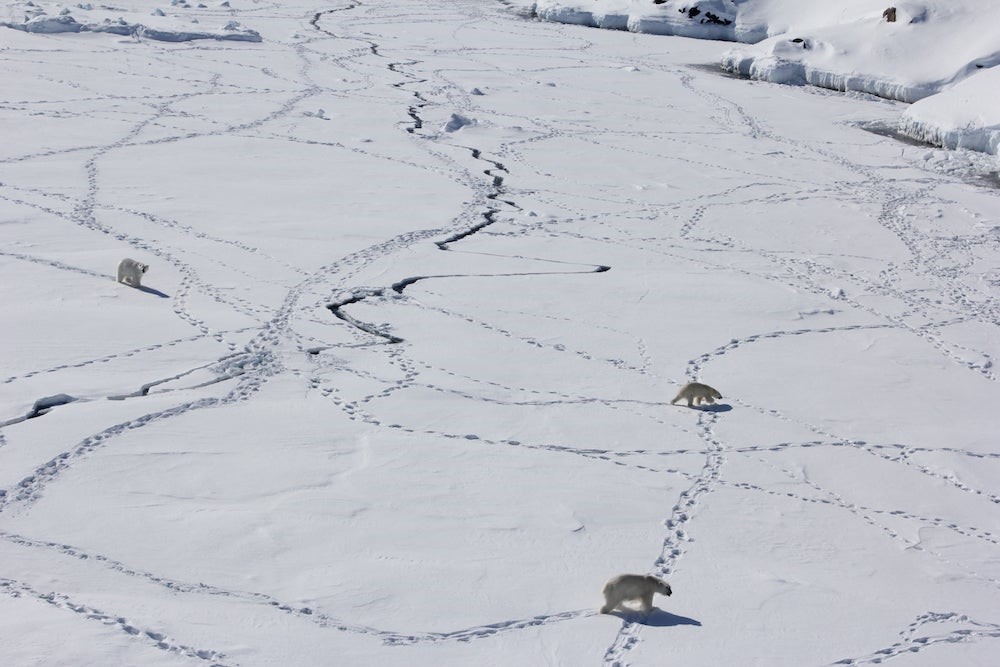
{"x":717,"y":407}
{"x":150,"y":290}
{"x":657,"y":618}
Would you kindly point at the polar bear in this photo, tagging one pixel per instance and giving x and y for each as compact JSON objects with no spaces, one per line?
{"x":633,"y":587}
{"x":130,"y":272}
{"x":695,"y":392}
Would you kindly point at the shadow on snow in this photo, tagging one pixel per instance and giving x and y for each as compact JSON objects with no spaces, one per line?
{"x":657,"y":618}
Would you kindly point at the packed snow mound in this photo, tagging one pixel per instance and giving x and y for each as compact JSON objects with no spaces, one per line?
{"x":45,"y":404}
{"x":964,"y":116}
{"x":457,"y":122}
{"x":229,"y":32}
{"x":926,"y":48}
{"x":57,"y":19}
{"x":48,"y":24}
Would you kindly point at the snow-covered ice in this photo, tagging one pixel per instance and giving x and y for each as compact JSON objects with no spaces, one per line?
{"x":396,"y":395}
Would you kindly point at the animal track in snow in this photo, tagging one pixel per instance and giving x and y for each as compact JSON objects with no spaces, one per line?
{"x":153,"y":638}
{"x":909,"y":644}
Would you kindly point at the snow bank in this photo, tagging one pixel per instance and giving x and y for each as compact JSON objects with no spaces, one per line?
{"x":703,"y":19}
{"x":848,"y":45}
{"x":929,"y":46}
{"x":39,"y":22}
{"x":747,"y":21}
{"x":229,"y":32}
{"x":965,"y":116}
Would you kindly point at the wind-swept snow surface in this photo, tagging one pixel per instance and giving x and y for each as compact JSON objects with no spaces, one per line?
{"x":397,"y":395}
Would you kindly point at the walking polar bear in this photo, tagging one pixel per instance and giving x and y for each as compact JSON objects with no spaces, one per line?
{"x":698,"y":393}
{"x":130,"y":272}
{"x":633,"y":587}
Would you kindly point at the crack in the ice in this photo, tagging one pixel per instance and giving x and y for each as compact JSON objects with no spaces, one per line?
{"x":489,"y":218}
{"x":360,"y":295}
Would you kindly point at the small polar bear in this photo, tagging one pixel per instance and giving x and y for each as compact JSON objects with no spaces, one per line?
{"x":697,"y":393}
{"x":130,"y":272}
{"x":633,"y":587}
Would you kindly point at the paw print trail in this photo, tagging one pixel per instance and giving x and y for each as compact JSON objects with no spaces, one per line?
{"x":305,"y":614}
{"x":909,"y":643}
{"x":153,"y":638}
{"x":681,"y":515}
{"x":487,"y":631}
{"x":17,"y":498}
{"x":89,"y":559}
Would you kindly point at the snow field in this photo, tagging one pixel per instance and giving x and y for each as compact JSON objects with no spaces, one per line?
{"x":277,"y":484}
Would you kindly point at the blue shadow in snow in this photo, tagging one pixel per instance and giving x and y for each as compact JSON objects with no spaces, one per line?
{"x":150,"y":290}
{"x":719,"y":407}
{"x":708,"y":407}
{"x":657,"y":618}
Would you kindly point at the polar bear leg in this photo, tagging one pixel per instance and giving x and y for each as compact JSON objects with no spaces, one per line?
{"x":611,"y":600}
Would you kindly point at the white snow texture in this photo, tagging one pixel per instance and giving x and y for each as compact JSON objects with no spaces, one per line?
{"x":424,"y":278}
